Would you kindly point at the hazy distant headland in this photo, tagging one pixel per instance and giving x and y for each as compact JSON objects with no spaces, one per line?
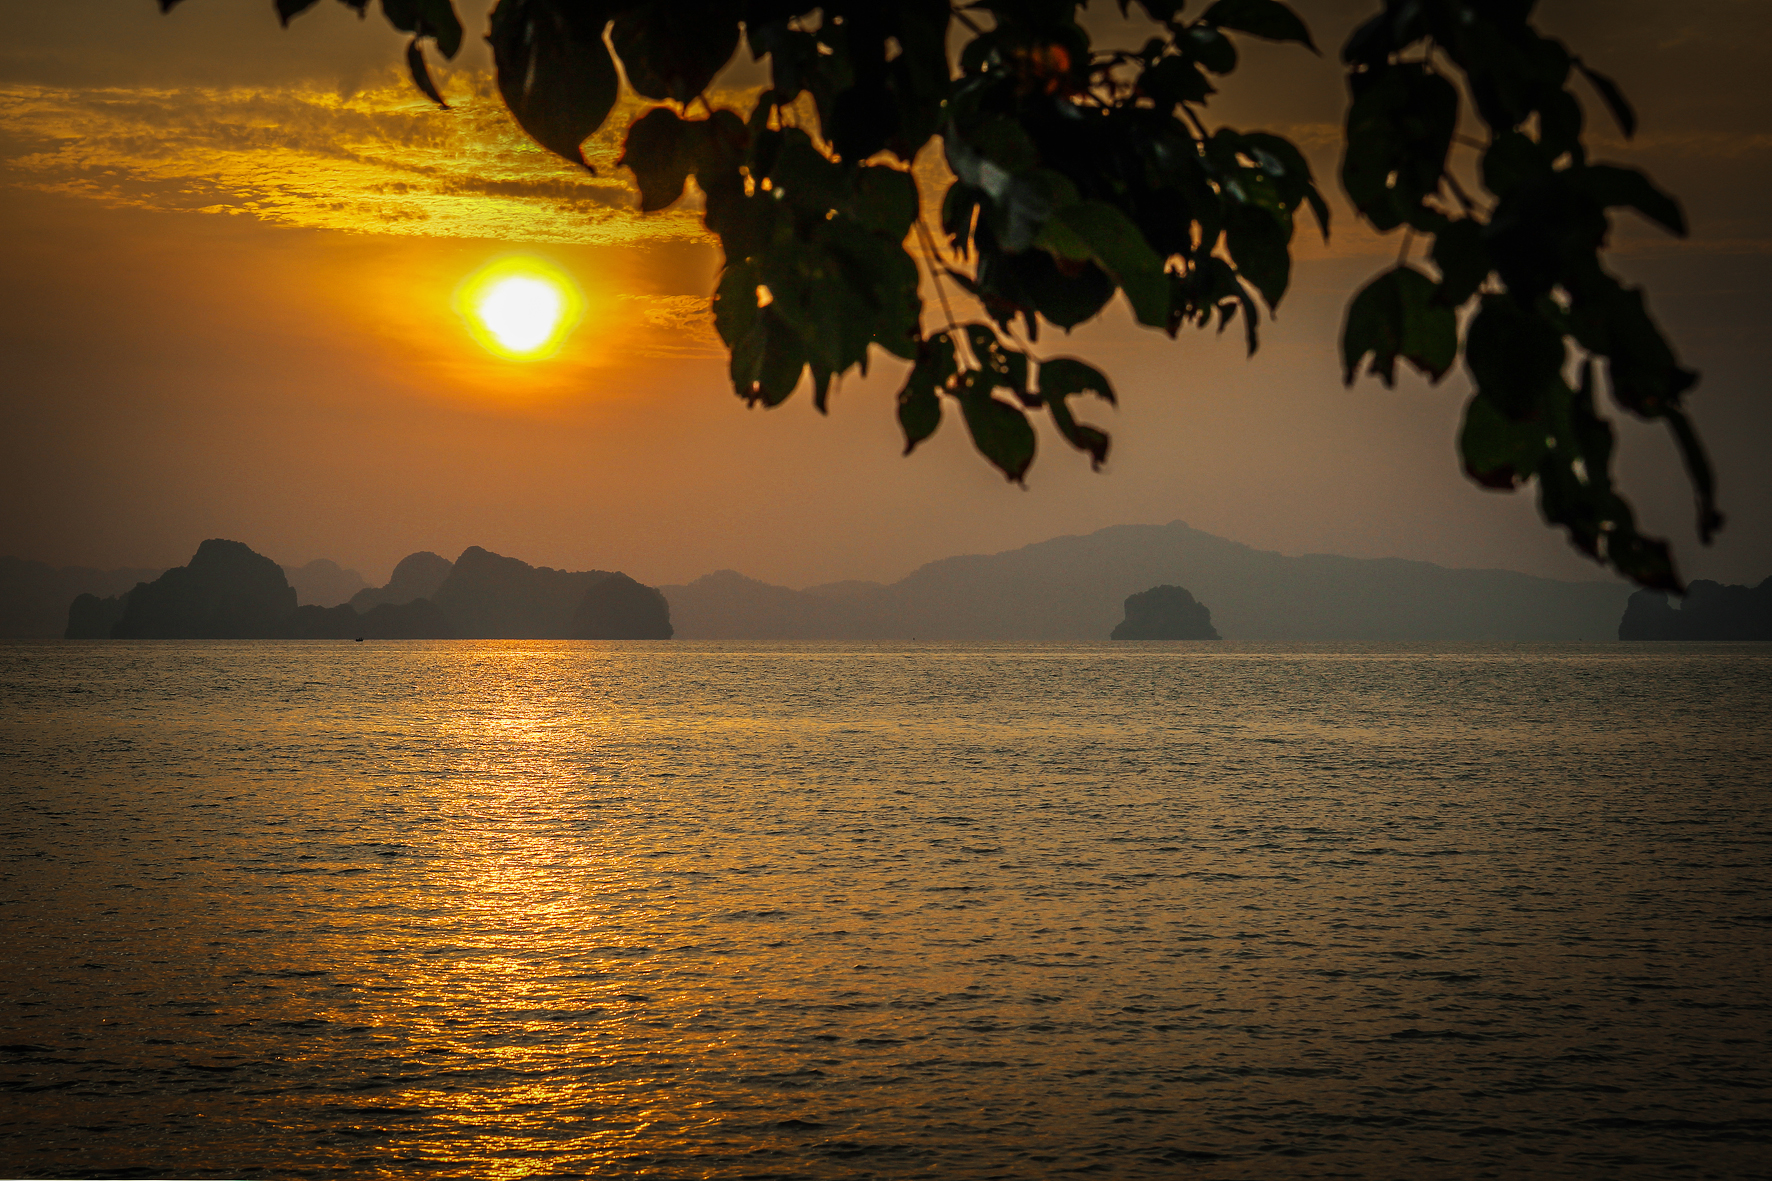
{"x":34,"y":596}
{"x":324,"y":583}
{"x":227,"y":591}
{"x":1074,"y":589}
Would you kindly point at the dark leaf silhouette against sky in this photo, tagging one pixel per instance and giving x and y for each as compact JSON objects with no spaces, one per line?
{"x":229,"y":313}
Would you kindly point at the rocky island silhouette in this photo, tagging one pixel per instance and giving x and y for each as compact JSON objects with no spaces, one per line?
{"x":1165,"y":613}
{"x":229,"y":592}
{"x":1708,"y":611}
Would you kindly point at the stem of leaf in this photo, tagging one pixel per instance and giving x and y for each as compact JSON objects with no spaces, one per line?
{"x":1464,"y":198}
{"x":929,"y":261}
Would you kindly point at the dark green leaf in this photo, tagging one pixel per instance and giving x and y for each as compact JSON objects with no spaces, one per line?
{"x":1258,"y":244}
{"x":1006,"y":368}
{"x":1002,"y":141}
{"x":919,"y":407}
{"x":1399,"y":130}
{"x":1395,"y":316}
{"x":422,"y":18}
{"x":805,"y":176}
{"x":559,"y":86}
{"x":672,"y":51}
{"x":1263,"y":18}
{"x":1065,"y":377}
{"x":660,"y":150}
{"x":1209,"y":47}
{"x":285,"y":8}
{"x":1281,"y":158}
{"x":1614,"y":99}
{"x":1613,"y":186}
{"x":1516,"y":357}
{"x":1698,"y":469}
{"x":1499,"y":452}
{"x":1612,"y":320}
{"x":735,"y":301}
{"x":767,"y":361}
{"x":885,"y":200}
{"x":821,"y":386}
{"x":1513,"y":162}
{"x":1001,"y":432}
{"x":1032,"y":277}
{"x":1575,"y":489}
{"x":1175,"y":80}
{"x":1463,"y":260}
{"x":1096,"y":230}
{"x":421,"y":74}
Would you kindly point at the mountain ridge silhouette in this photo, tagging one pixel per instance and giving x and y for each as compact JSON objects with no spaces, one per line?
{"x":1073,"y":588}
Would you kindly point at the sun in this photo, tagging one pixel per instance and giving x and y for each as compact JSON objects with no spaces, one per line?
{"x":521,"y":308}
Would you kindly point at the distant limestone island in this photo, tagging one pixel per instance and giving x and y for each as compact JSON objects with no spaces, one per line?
{"x":1165,"y":613}
{"x":229,"y":592}
{"x":1708,"y":611}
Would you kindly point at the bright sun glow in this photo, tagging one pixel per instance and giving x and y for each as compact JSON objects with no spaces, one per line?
{"x":520,"y":308}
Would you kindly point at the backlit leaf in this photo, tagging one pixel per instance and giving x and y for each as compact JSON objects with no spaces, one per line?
{"x":559,"y":86}
{"x":1001,"y":432}
{"x":1614,"y":99}
{"x":661,"y":152}
{"x":1613,"y":186}
{"x":1395,"y":316}
{"x":672,"y":51}
{"x":1263,"y":18}
{"x":1096,"y":230}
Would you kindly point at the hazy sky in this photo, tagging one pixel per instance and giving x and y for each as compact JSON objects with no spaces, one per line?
{"x":231,"y":252}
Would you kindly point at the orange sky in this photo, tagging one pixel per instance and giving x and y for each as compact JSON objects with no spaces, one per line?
{"x":227,"y":285}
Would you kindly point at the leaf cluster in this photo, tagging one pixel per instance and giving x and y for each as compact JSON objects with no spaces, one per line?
{"x":1519,"y":259}
{"x":434,"y":20}
{"x":1082,"y":173}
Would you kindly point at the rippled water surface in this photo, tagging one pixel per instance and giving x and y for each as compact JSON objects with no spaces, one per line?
{"x":501,"y":910}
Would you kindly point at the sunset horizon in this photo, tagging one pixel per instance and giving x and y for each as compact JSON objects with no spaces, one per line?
{"x":885,"y":589}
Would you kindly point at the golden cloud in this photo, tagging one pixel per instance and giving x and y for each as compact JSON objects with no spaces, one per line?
{"x":380,"y":160}
{"x":684,"y":324}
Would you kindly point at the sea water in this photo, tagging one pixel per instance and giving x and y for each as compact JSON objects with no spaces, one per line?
{"x":685,"y":910}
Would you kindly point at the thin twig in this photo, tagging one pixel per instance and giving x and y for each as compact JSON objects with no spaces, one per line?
{"x":1201,"y":127}
{"x":1408,"y":240}
{"x":1464,"y":198}
{"x":929,"y":261}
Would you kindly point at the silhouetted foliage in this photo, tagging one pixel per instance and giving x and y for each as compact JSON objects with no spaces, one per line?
{"x":1081,"y":173}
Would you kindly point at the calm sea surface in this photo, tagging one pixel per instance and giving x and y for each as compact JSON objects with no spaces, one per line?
{"x":514,"y":909}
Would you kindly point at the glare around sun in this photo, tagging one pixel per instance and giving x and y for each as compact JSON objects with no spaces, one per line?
{"x":520,"y":308}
